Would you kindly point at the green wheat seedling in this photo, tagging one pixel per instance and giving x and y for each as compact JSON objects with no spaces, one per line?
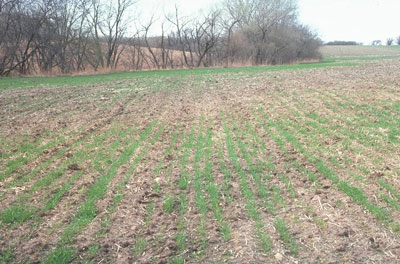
{"x":354,"y":192}
{"x":184,"y":178}
{"x":18,"y":212}
{"x":180,"y":237}
{"x":213,"y":190}
{"x":385,"y":120}
{"x":247,"y":193}
{"x":119,"y":191}
{"x":46,"y":163}
{"x":169,"y":204}
{"x":358,"y":130}
{"x":285,"y":236}
{"x":30,"y":153}
{"x":88,"y":209}
{"x":100,"y":161}
{"x":332,"y":159}
{"x":140,"y":245}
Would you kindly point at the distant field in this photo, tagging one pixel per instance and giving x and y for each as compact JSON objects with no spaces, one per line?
{"x":351,"y":51}
{"x":276,"y":164}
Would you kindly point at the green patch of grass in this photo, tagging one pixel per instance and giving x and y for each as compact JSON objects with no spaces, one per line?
{"x":396,"y":227}
{"x":289,"y":186}
{"x":389,"y":188}
{"x":277,"y":196}
{"x":16,"y":214}
{"x":181,"y":241}
{"x":156,"y":187}
{"x":286,"y":237}
{"x":169,"y":204}
{"x":177,"y":260}
{"x":226,"y":231}
{"x":88,"y":209}
{"x":93,"y":250}
{"x":360,"y":198}
{"x":61,"y":255}
{"x":13,"y":83}
{"x":149,"y":211}
{"x":6,"y":256}
{"x":394,"y":204}
{"x":140,"y":246}
{"x":51,"y":203}
{"x":247,"y":193}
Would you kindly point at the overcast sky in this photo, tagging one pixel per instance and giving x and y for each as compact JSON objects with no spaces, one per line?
{"x":357,"y":20}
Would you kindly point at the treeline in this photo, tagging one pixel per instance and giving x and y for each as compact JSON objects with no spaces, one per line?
{"x":343,"y":43}
{"x":65,"y":36}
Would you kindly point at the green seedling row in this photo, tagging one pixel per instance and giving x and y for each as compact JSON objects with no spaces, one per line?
{"x":87,"y":210}
{"x":353,"y":192}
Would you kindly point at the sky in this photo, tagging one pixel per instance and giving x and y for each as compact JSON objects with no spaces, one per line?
{"x":351,"y":20}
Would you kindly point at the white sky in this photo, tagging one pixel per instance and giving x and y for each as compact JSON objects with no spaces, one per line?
{"x":357,"y":20}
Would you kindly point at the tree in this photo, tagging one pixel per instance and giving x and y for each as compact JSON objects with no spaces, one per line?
{"x":377,"y":43}
{"x":207,"y":33}
{"x":389,"y":42}
{"x":65,"y":36}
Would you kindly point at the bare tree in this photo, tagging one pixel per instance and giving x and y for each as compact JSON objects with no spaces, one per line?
{"x":233,"y":15}
{"x":75,"y":35}
{"x":146,"y":29}
{"x":207,"y":34}
{"x":114,"y":29}
{"x":23,"y":21}
{"x":389,"y":41}
{"x":182,"y":33}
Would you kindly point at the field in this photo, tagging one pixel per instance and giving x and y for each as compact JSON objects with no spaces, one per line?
{"x":276,"y":164}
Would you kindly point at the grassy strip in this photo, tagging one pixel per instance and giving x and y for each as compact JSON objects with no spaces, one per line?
{"x":386,"y":120}
{"x":87,"y":211}
{"x":251,"y":205}
{"x":45,"y":164}
{"x":213,"y":190}
{"x":19,"y":212}
{"x":256,"y":171}
{"x":7,"y":151}
{"x":119,"y":194}
{"x":285,"y":236}
{"x":389,"y":188}
{"x":354,"y":192}
{"x":15,"y":83}
{"x":182,"y":200}
{"x":320,"y":131}
{"x":198,"y":181}
{"x":110,"y":151}
{"x":29,"y":154}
